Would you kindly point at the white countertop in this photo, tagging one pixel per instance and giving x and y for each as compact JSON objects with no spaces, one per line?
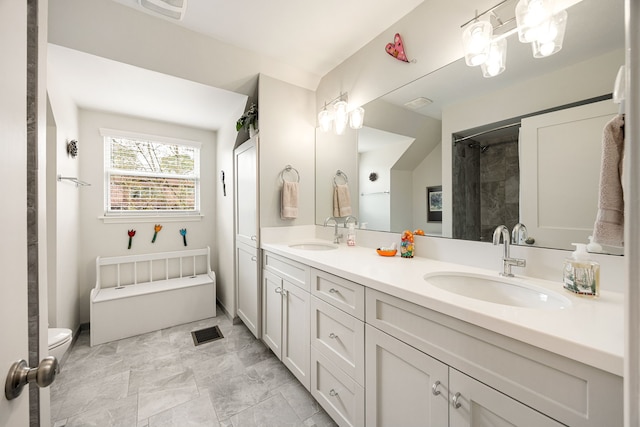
{"x":590,"y":331}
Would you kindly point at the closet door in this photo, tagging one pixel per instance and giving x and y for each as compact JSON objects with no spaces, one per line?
{"x":246,"y":185}
{"x":560,"y":172}
{"x":247,"y":259}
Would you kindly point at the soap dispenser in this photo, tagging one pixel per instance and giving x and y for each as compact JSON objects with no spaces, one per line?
{"x":581,"y":274}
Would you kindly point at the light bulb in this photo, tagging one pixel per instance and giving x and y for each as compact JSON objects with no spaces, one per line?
{"x":532,"y":17}
{"x":340,"y":117}
{"x":551,"y":40}
{"x":497,"y":58}
{"x":324,"y":120}
{"x":356,"y":119}
{"x":476,"y":40}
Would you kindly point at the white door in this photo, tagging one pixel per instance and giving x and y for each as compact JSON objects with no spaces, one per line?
{"x":404,"y":387}
{"x":560,"y":172}
{"x":246,"y":186}
{"x":248,"y":287}
{"x":295,"y":332}
{"x":13,"y":166}
{"x":272,"y":312}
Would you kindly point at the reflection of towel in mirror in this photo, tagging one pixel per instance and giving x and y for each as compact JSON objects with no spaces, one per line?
{"x":289,"y":206}
{"x":341,"y":200}
{"x":609,"y":226}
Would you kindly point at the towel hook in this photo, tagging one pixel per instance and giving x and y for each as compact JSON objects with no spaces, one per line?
{"x":290,"y":168}
{"x":340,"y":174}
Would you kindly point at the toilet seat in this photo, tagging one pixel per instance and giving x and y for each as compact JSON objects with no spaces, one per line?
{"x":58,"y":337}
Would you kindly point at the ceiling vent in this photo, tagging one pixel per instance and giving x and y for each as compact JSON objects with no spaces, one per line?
{"x":174,"y":9}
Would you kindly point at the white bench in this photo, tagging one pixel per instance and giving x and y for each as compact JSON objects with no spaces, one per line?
{"x":136,"y":294}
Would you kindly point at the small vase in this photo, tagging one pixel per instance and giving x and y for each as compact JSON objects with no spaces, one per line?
{"x":252,"y":131}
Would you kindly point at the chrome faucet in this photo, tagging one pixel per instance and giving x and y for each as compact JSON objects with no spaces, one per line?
{"x":519,"y":233}
{"x":336,"y":236}
{"x":349,"y":218}
{"x":507,"y":261}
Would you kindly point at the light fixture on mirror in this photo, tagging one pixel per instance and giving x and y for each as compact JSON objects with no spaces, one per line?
{"x":336,"y":115}
{"x":537,"y":23}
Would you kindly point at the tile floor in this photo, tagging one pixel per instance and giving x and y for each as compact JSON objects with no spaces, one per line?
{"x":162,"y":379}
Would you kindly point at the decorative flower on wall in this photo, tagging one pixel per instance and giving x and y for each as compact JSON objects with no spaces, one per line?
{"x":72,"y":148}
{"x":156,"y":229}
{"x":183,"y":233}
{"x":131,"y":233}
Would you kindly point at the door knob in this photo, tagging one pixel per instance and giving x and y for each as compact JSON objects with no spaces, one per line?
{"x":20,"y":374}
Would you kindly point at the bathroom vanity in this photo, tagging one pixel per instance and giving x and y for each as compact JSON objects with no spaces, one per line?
{"x":380,"y":345}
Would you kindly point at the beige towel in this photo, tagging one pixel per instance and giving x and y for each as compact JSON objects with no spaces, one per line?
{"x":341,"y":200}
{"x":609,"y":226}
{"x":289,"y":206}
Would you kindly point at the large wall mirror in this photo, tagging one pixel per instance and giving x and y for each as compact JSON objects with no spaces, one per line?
{"x":456,"y":154}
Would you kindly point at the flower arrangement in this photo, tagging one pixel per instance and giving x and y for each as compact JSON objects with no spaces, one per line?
{"x":250,"y":117}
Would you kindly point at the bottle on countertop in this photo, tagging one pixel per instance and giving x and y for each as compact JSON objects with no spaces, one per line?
{"x":351,"y":235}
{"x":581,"y":274}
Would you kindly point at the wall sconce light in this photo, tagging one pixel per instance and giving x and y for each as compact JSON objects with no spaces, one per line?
{"x":537,"y":22}
{"x":336,"y":115}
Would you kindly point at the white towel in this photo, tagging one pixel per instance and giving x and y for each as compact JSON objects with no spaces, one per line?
{"x":609,"y":225}
{"x":341,"y":201}
{"x":289,"y":206}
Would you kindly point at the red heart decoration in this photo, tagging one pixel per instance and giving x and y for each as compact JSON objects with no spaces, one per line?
{"x":396,"y":49}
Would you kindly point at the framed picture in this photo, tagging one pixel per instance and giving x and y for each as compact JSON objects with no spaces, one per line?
{"x":434,"y":203}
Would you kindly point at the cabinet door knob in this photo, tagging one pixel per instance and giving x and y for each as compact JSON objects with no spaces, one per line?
{"x":434,"y":388}
{"x":333,"y":393}
{"x":254,"y":238}
{"x":254,"y":258}
{"x":278,"y":290}
{"x":333,"y":336}
{"x":456,"y":400}
{"x":333,"y":291}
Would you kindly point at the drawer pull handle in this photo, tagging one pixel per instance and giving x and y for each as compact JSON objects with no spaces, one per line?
{"x":333,"y":393}
{"x":333,"y":291}
{"x":278,"y":290}
{"x":456,"y":400}
{"x":434,"y":388}
{"x":333,"y":336}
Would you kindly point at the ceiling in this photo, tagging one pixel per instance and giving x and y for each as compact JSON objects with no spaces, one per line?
{"x":314,"y":36}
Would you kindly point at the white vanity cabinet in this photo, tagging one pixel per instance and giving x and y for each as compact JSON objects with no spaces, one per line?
{"x":493,"y":380}
{"x":337,"y":347}
{"x":286,"y":312}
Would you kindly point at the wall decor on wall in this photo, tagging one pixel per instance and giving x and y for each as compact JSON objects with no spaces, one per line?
{"x":131,"y":233}
{"x":183,"y":233}
{"x":434,"y":203}
{"x":156,"y":230}
{"x":72,"y":148}
{"x":373,"y":176}
{"x":224,"y":185}
{"x":396,"y":49}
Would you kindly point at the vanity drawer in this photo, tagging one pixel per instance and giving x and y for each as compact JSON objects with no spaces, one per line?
{"x":339,"y":337}
{"x":337,"y":393}
{"x":341,"y":293}
{"x":292,"y":271}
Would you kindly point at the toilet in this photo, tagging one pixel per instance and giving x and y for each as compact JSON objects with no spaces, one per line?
{"x":59,"y":342}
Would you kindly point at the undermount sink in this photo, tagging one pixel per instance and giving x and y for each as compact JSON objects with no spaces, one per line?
{"x":500,"y":290}
{"x":314,"y":246}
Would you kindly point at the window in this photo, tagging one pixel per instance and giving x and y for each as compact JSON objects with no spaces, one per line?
{"x":150,"y":175}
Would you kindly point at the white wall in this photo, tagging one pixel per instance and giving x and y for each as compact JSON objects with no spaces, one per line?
{"x":427,"y":174}
{"x":110,"y":239}
{"x":431,"y":35}
{"x":287,"y":137}
{"x":63,"y":209}
{"x":225,"y":235}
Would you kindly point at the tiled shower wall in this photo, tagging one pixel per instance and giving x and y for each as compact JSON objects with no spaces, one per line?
{"x":485,"y":189}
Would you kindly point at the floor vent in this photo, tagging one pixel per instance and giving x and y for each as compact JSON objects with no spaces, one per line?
{"x":206,"y":335}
